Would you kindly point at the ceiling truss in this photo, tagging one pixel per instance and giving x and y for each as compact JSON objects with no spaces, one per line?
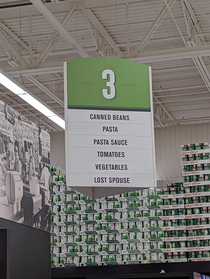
{"x":172,"y":36}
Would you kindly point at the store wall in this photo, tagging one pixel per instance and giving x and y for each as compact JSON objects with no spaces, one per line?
{"x":167,"y":148}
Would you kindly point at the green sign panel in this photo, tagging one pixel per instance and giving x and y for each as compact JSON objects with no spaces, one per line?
{"x":108,"y":83}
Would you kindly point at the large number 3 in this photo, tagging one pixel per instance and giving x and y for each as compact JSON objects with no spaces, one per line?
{"x":109,"y":84}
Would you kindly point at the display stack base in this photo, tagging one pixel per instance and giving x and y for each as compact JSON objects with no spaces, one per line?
{"x":173,"y":270}
{"x":24,"y":252}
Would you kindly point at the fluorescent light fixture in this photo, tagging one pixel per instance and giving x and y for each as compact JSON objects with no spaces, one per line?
{"x":17,"y":89}
{"x":10,"y":84}
{"x":58,"y":121}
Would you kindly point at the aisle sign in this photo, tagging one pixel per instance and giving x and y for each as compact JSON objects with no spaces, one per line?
{"x":109,"y":123}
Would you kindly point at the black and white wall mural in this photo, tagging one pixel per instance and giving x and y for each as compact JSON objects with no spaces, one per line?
{"x":24,"y":170}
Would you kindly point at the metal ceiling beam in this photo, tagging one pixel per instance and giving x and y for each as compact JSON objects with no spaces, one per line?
{"x":63,"y":6}
{"x":47,"y":49}
{"x":167,"y":113}
{"x":58,"y":67}
{"x":14,"y":36}
{"x":172,"y":54}
{"x":199,"y":62}
{"x":196,"y":7}
{"x":144,"y":57}
{"x":90,"y":15}
{"x":153,"y":28}
{"x":127,"y":28}
{"x":45,"y":90}
{"x":13,"y":50}
{"x":59,"y":27}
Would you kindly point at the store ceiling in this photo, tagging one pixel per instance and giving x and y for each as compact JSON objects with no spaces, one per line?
{"x":172,"y":36}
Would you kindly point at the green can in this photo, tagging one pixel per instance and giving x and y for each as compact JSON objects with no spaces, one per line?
{"x":196,"y":221}
{"x":207,"y":177}
{"x":197,"y":243}
{"x":168,"y":245}
{"x":174,"y":222}
{"x":168,"y":256}
{"x":198,"y":156}
{"x":201,"y":177}
{"x":181,"y":211}
{"x":180,"y":189}
{"x":174,"y":212}
{"x":189,"y":222}
{"x":202,"y":188}
{"x":205,"y":231}
{"x":198,"y":146}
{"x":205,"y":145}
{"x":204,"y":221}
{"x":195,"y":199}
{"x":188,"y":200}
{"x":198,"y":254}
{"x":167,"y":212}
{"x":182,"y":222}
{"x":182,"y":255}
{"x":173,"y":190}
{"x":191,"y":157}
{"x":152,"y":202}
{"x":190,"y":244}
{"x":167,"y":234}
{"x":182,"y":233}
{"x":175,"y":244}
{"x":174,"y":201}
{"x":204,"y":210}
{"x":191,"y":146}
{"x":194,"y":178}
{"x":159,"y":202}
{"x":167,"y":223}
{"x":182,"y":244}
{"x":204,"y":242}
{"x":175,"y":233}
{"x":196,"y":189}
{"x":207,"y":188}
{"x":206,"y":166}
{"x":191,"y":255}
{"x":205,"y":156}
{"x":165,"y":191}
{"x":190,"y":233}
{"x":187,"y":179}
{"x":200,"y":167}
{"x":188,"y":189}
{"x":160,"y":234}
{"x":180,"y":201}
{"x":203,"y":199}
{"x":197,"y":232}
{"x":184,"y":147}
{"x":206,"y":254}
{"x":196,"y":210}
{"x":175,"y":255}
{"x":166,"y":201}
{"x":189,"y":211}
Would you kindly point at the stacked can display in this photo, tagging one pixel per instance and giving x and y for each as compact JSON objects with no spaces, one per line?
{"x":196,"y":173}
{"x":119,"y":229}
{"x":170,"y":224}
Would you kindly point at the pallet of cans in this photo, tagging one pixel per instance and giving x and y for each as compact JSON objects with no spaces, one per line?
{"x":119,"y":229}
{"x":146,"y":226}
